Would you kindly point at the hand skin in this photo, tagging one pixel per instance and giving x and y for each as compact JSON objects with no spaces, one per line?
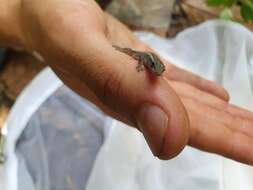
{"x":75,"y":37}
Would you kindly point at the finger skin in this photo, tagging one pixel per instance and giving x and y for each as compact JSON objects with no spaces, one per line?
{"x":210,"y":133}
{"x":169,"y":146}
{"x":216,"y":108}
{"x":149,"y":89}
{"x":175,"y":73}
{"x":220,"y":139}
{"x":195,"y":93}
{"x":80,"y":88}
{"x":240,"y":112}
{"x":191,"y":92}
{"x":115,"y":85}
{"x":178,"y":74}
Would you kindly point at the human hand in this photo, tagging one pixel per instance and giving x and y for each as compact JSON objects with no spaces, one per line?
{"x":75,"y":38}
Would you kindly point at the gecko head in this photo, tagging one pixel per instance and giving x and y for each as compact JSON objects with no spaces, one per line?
{"x":158,"y":67}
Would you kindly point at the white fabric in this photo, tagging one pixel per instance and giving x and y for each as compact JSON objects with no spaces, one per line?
{"x":34,"y":95}
{"x":221,"y":51}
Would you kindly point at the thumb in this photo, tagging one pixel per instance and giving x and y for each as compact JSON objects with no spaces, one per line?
{"x":147,"y":101}
{"x":81,"y":48}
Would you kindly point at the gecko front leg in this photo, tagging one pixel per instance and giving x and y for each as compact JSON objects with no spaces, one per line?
{"x":140,"y":66}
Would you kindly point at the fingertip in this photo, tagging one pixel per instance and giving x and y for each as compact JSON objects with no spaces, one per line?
{"x":226,"y":96}
{"x":217,"y":90}
{"x":176,"y":135}
{"x":174,"y":142}
{"x":222,"y":93}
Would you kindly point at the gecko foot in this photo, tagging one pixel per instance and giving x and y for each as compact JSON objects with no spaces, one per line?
{"x":140,"y":67}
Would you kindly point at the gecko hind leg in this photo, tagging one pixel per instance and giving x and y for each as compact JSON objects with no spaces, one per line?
{"x":140,"y":66}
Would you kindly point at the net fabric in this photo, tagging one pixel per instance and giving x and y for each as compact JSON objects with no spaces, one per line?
{"x":68,"y":132}
{"x":220,"y":51}
{"x":59,"y":144}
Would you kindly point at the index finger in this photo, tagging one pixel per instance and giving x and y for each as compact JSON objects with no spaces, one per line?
{"x":175,"y":73}
{"x":178,"y":74}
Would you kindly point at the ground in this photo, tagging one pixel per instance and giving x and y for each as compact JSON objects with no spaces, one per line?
{"x":18,"y":70}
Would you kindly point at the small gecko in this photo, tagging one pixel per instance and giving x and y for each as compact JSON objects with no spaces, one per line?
{"x":147,"y":59}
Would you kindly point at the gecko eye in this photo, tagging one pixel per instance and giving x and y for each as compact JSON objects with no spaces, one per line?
{"x":153,"y":65}
{"x":153,"y":60}
{"x":157,"y":65}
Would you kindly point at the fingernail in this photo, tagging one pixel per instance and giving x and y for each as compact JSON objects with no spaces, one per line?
{"x":153,"y":122}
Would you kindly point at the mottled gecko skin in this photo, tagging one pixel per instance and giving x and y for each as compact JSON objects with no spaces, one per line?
{"x":147,"y":59}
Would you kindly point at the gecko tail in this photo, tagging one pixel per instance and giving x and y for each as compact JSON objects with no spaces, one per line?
{"x":117,"y":47}
{"x":127,"y":51}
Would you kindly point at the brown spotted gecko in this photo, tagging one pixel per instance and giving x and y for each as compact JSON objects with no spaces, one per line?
{"x":147,"y":59}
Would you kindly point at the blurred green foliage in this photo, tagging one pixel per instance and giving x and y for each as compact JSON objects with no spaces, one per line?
{"x":246,"y":8}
